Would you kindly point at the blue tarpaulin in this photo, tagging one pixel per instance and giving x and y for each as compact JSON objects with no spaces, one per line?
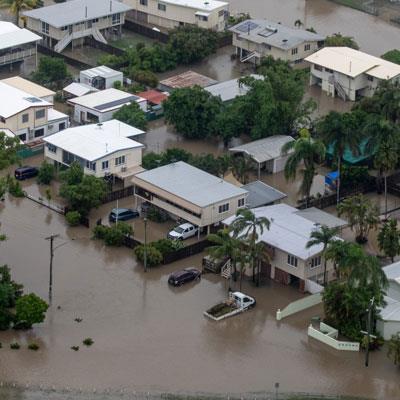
{"x":331,"y":179}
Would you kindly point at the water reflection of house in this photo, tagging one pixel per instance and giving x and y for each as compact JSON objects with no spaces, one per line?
{"x":103,"y":150}
{"x":265,"y":153}
{"x":100,"y":106}
{"x":285,"y":241}
{"x":64,"y":24}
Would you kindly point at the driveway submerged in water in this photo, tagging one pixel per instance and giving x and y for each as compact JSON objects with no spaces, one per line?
{"x":150,"y":337}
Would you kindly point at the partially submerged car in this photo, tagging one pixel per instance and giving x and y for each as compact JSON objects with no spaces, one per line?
{"x":178,"y":278}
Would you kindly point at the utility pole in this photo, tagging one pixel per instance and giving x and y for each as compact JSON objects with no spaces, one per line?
{"x":51,"y":238}
{"x":368,"y":332}
{"x":145,"y":244}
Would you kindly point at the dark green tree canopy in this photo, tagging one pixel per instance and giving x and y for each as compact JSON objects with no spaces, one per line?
{"x":337,"y":39}
{"x":132,"y":115}
{"x":392,"y":56}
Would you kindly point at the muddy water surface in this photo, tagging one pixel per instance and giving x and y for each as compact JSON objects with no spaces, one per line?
{"x":152,"y":337}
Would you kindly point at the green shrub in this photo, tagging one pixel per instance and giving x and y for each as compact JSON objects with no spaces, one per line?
{"x":147,"y":78}
{"x":154,"y":256}
{"x":46,"y":173}
{"x":88,"y":341}
{"x":75,"y":348}
{"x":14,"y":188}
{"x":113,"y":235}
{"x":166,"y":246}
{"x":15,"y":346}
{"x":29,"y":309}
{"x":73,"y":218}
{"x":33,"y":346}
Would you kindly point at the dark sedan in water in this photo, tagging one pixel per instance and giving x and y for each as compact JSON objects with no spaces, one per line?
{"x":178,"y":278}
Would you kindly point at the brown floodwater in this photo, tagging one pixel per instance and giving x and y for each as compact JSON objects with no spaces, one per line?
{"x":150,"y":337}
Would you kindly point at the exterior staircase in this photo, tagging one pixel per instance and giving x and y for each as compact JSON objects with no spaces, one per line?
{"x":249,"y":56}
{"x":67,"y":39}
{"x":226,"y":270}
{"x":339,"y":88}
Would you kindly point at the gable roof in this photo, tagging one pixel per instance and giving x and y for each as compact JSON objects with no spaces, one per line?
{"x":95,"y":141}
{"x":265,"y":149}
{"x":288,"y":231}
{"x":28,"y":86}
{"x":17,"y":101}
{"x":352,"y":62}
{"x":274,"y":34}
{"x":106,"y":100}
{"x":11,"y":35}
{"x":71,"y":12}
{"x":101,"y":70}
{"x":190,"y":183}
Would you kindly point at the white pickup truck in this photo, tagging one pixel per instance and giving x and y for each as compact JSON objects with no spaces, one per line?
{"x":237,"y":303}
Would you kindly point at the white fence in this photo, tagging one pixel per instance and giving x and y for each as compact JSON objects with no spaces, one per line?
{"x":328,"y":335}
{"x":299,"y":305}
{"x":312,"y":287}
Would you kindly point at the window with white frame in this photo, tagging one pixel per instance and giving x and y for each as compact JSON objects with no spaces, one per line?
{"x":307,"y":47}
{"x":120,"y":160}
{"x":292,"y":260}
{"x":240,"y":202}
{"x":202,"y":18}
{"x":25,"y":118}
{"x":143,"y":2}
{"x":91,"y":165}
{"x":294,"y":51}
{"x":315,"y":262}
{"x":45,"y":28}
{"x":104,"y":165}
{"x":223,"y":208}
{"x":162,"y":7}
{"x":116,"y":19}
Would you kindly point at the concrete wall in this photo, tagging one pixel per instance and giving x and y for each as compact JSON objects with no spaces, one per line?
{"x":174,"y":15}
{"x":328,"y":335}
{"x":299,"y":305}
{"x":388,"y":328}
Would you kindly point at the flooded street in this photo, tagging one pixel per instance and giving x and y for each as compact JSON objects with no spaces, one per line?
{"x":150,"y":337}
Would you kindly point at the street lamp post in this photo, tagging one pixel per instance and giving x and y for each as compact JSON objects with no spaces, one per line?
{"x":145,"y":244}
{"x":51,"y":239}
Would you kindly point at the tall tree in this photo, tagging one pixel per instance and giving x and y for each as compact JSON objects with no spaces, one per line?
{"x":325,"y":236}
{"x":307,"y":154}
{"x":9,"y":147}
{"x":340,"y":132}
{"x":389,"y":239}
{"x":225,"y":245}
{"x":132,"y":115}
{"x":16,"y":6}
{"x":361,"y":214}
{"x":247,"y":227}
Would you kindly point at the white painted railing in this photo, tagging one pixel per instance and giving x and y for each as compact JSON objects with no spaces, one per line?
{"x":226,"y":270}
{"x":19,"y":55}
{"x":328,"y":335}
{"x":66,"y":40}
{"x":312,"y":287}
{"x":299,"y":305}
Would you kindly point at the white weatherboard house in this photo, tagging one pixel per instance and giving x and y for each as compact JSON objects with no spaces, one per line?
{"x":30,"y":87}
{"x":169,"y":14}
{"x":16,"y":44}
{"x":266,"y":153}
{"x":258,"y":38}
{"x":390,"y":314}
{"x":101,"y":149}
{"x":27,"y":116}
{"x":349,"y":73}
{"x":285,"y":241}
{"x":71,"y":22}
{"x":189,"y":193}
{"x":101,"y":77}
{"x":100,"y":106}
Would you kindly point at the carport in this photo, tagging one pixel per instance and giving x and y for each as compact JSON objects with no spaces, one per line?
{"x":266,"y":153}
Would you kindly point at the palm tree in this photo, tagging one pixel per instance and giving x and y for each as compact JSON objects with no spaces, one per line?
{"x":225,"y":246}
{"x":241,"y":166}
{"x":384,"y":144}
{"x":246,"y":227}
{"x":16,"y":6}
{"x":325,"y":236}
{"x":344,"y":255}
{"x":307,"y":152}
{"x":340,"y":132}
